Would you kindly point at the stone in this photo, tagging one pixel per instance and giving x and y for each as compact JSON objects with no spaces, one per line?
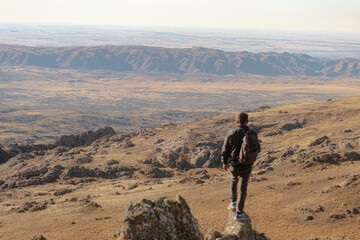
{"x":337,"y":216}
{"x":85,"y":138}
{"x":40,"y":237}
{"x":162,"y":219}
{"x":155,"y":172}
{"x":352,"y":156}
{"x":319,"y":141}
{"x":63,"y":191}
{"x":330,"y":158}
{"x":31,"y":207}
{"x":234,"y":230}
{"x":153,"y":162}
{"x":292,"y":126}
{"x":112,"y":162}
{"x":53,"y":174}
{"x":273,"y":133}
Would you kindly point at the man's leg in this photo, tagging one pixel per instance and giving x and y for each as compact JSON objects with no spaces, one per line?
{"x":243,"y":188}
{"x":233,"y":184}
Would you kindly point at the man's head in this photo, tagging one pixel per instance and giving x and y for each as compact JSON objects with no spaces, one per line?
{"x":242,"y":118}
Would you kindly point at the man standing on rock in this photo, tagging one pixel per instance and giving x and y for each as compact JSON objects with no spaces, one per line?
{"x":230,"y":159}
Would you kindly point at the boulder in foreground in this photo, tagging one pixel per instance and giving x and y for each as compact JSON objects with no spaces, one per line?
{"x":162,"y":219}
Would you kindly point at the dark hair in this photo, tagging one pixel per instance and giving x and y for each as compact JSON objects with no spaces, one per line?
{"x":243,"y":118}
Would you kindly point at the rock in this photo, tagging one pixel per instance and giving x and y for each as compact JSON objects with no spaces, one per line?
{"x":262,"y":108}
{"x":83,"y":160}
{"x":34,"y":171}
{"x":93,"y":205}
{"x":155,"y":172}
{"x":40,"y":237}
{"x":53,"y":174}
{"x":199,"y":181}
{"x":309,"y":218}
{"x":63,"y":191}
{"x":173,"y":159}
{"x":128,"y":144}
{"x":273,"y":133}
{"x":133,"y":186}
{"x":356,"y":211}
{"x":235,"y":230}
{"x":291,"y":184}
{"x":79,"y":172}
{"x":347,"y":131}
{"x":292,"y":126}
{"x":331,"y":158}
{"x":289,"y":152}
{"x":84,"y":139}
{"x":160,"y":140}
{"x":352,"y":156}
{"x":115,"y":171}
{"x":337,"y":216}
{"x":319,"y":141}
{"x":353,"y":180}
{"x":201,"y":174}
{"x":200,"y":158}
{"x":31,"y":207}
{"x":161,"y":219}
{"x":153,"y":162}
{"x":112,"y":162}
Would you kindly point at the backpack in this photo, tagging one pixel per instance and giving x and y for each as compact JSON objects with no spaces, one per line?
{"x":250,"y":148}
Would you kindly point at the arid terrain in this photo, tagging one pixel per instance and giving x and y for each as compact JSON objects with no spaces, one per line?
{"x":39,"y":104}
{"x":305,"y":184}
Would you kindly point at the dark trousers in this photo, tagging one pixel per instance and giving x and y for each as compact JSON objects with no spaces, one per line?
{"x":236,"y":175}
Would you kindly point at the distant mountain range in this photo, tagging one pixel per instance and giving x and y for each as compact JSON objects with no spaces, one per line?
{"x":197,"y":60}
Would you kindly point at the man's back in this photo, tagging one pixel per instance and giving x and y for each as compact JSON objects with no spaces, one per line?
{"x":232,"y":145}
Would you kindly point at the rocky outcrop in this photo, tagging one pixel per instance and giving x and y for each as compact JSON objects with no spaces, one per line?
{"x":84,"y":139}
{"x":319,"y":141}
{"x":162,"y":219}
{"x":293,"y":125}
{"x":235,"y":230}
{"x":154,"y":172}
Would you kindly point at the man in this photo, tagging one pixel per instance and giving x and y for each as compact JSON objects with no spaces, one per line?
{"x":230,"y":160}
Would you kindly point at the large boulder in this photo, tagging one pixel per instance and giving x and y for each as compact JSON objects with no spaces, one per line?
{"x":162,"y":219}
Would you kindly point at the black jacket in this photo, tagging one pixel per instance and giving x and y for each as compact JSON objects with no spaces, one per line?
{"x":232,"y":145}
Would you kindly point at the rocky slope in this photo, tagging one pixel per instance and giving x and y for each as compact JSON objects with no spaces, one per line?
{"x":306,"y":177}
{"x":175,"y":60}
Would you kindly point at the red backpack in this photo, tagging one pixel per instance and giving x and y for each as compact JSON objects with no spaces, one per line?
{"x":250,"y":148}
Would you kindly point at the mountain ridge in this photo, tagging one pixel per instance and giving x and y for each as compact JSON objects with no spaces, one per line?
{"x":196,"y":60}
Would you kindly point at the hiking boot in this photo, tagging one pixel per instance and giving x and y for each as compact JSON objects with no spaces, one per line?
{"x":240,"y":216}
{"x":232,"y":206}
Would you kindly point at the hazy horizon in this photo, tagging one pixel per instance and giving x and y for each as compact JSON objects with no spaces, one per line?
{"x":316,"y":44}
{"x":307,"y":15}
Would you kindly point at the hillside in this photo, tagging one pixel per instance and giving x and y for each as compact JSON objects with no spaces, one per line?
{"x":304,"y":185}
{"x":197,"y":60}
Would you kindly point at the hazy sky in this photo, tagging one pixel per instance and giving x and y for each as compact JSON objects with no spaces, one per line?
{"x":318,"y":15}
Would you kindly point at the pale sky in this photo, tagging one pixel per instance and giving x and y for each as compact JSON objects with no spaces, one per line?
{"x":313,"y":15}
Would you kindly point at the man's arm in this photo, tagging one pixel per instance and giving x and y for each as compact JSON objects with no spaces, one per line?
{"x":226,"y":149}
